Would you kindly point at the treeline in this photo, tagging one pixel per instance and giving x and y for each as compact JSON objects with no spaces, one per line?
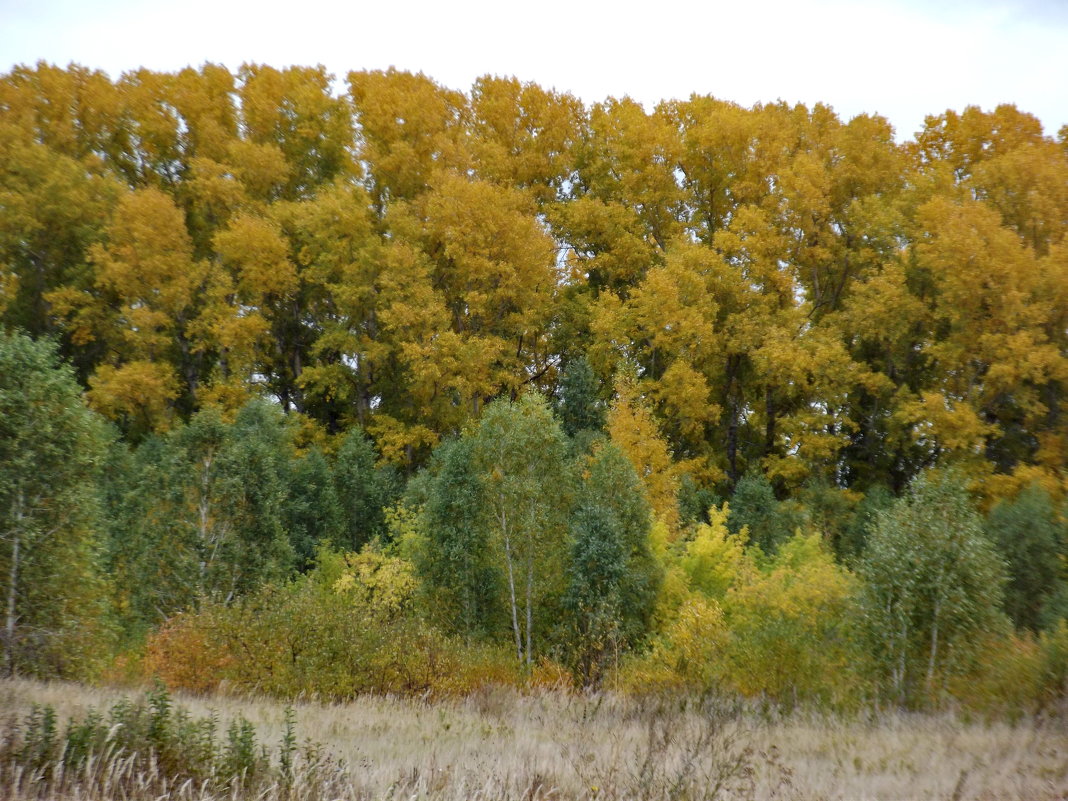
{"x":612,"y":388}
{"x":797,"y":295}
{"x":530,"y":549}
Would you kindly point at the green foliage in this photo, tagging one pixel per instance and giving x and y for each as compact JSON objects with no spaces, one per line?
{"x":695,"y":501}
{"x":52,"y":594}
{"x":313,"y":514}
{"x":612,"y":485}
{"x":829,"y":510}
{"x":613,"y":576}
{"x":597,"y":567}
{"x":199,"y":513}
{"x":580,"y":405}
{"x":1032,"y":538}
{"x":854,"y":537}
{"x":363,"y":491}
{"x":519,"y":452}
{"x":454,"y":556}
{"x":755,"y":507}
{"x":932,"y":583}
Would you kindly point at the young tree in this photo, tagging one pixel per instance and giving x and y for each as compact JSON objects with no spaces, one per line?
{"x":790,"y":627}
{"x":613,"y":576}
{"x":51,"y":447}
{"x":455,"y":557}
{"x":204,"y":512}
{"x":313,"y":513}
{"x":754,"y":506}
{"x":520,"y":453}
{"x":1030,"y":536}
{"x":363,"y":490}
{"x":932,"y":582}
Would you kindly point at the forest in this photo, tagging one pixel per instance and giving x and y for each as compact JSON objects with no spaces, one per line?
{"x":376,"y":386}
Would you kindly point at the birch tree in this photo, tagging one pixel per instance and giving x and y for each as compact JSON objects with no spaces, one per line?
{"x":521,"y":452}
{"x":932,"y":582}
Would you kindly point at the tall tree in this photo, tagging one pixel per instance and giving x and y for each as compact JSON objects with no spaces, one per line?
{"x":145,"y":306}
{"x":55,"y":210}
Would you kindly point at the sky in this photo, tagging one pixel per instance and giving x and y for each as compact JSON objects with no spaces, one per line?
{"x":902,"y":59}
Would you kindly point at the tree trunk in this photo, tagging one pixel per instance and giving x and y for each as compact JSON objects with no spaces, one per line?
{"x":511,"y":587}
{"x":204,"y":525}
{"x":12,"y":590}
{"x":769,"y":423}
{"x":9,"y":626}
{"x":932,"y":660}
{"x":732,"y":422}
{"x":530,"y":604}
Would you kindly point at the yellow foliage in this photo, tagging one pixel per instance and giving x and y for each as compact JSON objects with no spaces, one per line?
{"x":687,"y":656}
{"x":139,"y":392}
{"x":396,"y":441}
{"x":226,"y":396}
{"x":9,"y":285}
{"x":549,"y":675}
{"x":954,"y":426}
{"x":715,"y":559}
{"x":384,"y":585}
{"x":260,"y":167}
{"x":631,"y":426}
{"x":789,"y":628}
{"x":259,"y":257}
{"x":999,"y":486}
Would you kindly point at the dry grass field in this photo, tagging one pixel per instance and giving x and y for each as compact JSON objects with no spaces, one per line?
{"x":498,"y":744}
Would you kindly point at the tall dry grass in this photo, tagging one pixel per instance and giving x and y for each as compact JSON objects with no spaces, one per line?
{"x":499,"y":744}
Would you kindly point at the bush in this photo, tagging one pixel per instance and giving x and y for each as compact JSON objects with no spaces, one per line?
{"x":686,"y":658}
{"x":791,"y":637}
{"x":1007,"y":679}
{"x":347,"y":628}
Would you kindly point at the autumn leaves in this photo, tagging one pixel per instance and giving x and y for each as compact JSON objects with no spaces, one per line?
{"x":789,"y":292}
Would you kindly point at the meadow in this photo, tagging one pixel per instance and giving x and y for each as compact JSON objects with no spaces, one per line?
{"x":502,"y":744}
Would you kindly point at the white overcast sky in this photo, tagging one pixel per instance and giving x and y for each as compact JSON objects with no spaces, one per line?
{"x":899,"y":58}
